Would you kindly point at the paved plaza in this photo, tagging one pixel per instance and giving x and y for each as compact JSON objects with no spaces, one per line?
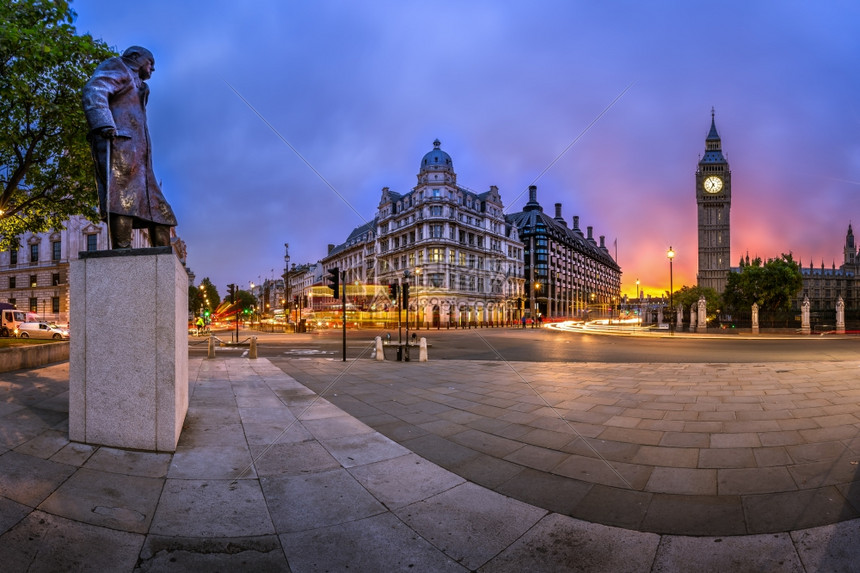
{"x":319,"y":465}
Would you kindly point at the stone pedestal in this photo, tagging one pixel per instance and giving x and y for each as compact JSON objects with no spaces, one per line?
{"x":128,"y":365}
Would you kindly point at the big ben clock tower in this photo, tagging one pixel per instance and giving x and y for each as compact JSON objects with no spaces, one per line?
{"x":714,"y":200}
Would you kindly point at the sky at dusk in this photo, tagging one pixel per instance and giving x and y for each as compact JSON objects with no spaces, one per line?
{"x":350,"y":95}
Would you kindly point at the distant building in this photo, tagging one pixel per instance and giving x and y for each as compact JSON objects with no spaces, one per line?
{"x":824,"y":286}
{"x":567,"y":273}
{"x":35,"y":276}
{"x":462,"y":259}
{"x":301,"y":283}
{"x":714,"y":203}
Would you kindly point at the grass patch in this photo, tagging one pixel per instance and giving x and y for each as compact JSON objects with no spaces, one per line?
{"x":10,"y":342}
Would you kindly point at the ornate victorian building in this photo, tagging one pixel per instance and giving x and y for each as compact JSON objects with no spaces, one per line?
{"x":567,"y":273}
{"x":462,"y":259}
{"x":714,"y":201}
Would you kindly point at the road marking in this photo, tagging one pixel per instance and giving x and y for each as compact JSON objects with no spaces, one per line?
{"x":308,"y":351}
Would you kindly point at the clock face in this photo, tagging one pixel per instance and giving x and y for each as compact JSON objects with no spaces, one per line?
{"x":713,"y":184}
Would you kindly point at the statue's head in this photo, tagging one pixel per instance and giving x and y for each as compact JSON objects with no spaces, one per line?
{"x":141,"y":59}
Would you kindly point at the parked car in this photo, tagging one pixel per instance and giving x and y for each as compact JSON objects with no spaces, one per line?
{"x":41,"y":330}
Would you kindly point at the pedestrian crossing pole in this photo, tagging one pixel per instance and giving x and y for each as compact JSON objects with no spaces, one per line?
{"x":343,"y":305}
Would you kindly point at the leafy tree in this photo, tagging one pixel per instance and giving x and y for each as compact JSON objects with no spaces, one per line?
{"x":208,"y":291}
{"x":246,"y":300}
{"x":46,"y":169}
{"x":195,"y":300}
{"x":772,"y":285}
{"x":688,"y":296}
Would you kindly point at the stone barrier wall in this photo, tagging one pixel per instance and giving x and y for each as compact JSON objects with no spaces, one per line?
{"x":32,"y":356}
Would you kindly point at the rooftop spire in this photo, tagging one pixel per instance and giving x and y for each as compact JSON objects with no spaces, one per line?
{"x":712,"y":135}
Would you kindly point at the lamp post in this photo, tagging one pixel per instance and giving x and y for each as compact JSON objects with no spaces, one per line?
{"x":671,"y":255}
{"x":417,"y":300}
{"x":638,"y":302}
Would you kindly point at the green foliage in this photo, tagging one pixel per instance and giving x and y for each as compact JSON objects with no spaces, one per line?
{"x":46,"y":169}
{"x":208,"y":291}
{"x":246,"y":300}
{"x":772,"y":285}
{"x":195,"y":300}
{"x":688,"y":296}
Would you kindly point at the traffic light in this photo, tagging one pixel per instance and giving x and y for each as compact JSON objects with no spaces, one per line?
{"x":405,"y":293}
{"x":304,"y":301}
{"x":231,"y":288}
{"x":334,"y":281}
{"x":206,"y":313}
{"x":296,"y":301}
{"x":392,"y":292}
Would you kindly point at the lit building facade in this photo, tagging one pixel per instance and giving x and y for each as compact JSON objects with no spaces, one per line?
{"x":462,"y":259}
{"x":713,"y":205}
{"x":824,"y":286}
{"x":567,"y":273}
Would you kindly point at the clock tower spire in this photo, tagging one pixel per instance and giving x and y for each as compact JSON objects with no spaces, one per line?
{"x":714,"y":201}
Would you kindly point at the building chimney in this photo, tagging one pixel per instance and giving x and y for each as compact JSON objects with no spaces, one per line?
{"x":558,"y":216}
{"x":331,"y":247}
{"x":576,"y":222}
{"x":532,"y":193}
{"x":602,"y":241}
{"x":589,"y":228}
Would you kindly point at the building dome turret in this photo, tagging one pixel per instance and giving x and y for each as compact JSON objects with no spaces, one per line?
{"x":437,"y":160}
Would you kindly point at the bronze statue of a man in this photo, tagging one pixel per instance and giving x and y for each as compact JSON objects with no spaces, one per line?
{"x":114,"y":101}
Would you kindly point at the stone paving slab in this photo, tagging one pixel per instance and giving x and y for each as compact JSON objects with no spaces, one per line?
{"x":314,"y":489}
{"x":742,"y":438}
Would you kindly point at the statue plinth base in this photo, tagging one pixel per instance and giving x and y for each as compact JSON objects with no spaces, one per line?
{"x":128,"y":364}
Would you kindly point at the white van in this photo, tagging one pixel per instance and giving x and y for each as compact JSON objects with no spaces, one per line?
{"x":10,"y":318}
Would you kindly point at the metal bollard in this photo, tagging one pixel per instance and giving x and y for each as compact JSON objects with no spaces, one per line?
{"x":252,"y":352}
{"x":211,"y":352}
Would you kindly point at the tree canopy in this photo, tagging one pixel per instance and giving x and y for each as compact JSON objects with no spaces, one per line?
{"x":246,"y":300}
{"x":208,"y":291}
{"x":46,"y":169}
{"x":772,"y":285}
{"x":688,"y":296}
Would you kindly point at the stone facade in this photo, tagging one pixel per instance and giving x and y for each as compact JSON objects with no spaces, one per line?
{"x":568,"y":273}
{"x":462,"y":259}
{"x":823,"y":286}
{"x":714,"y":202}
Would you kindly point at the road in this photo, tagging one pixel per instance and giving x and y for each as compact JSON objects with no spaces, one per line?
{"x":546,"y":345}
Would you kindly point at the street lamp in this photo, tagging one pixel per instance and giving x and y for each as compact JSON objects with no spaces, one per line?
{"x":638,"y":301}
{"x":671,"y":255}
